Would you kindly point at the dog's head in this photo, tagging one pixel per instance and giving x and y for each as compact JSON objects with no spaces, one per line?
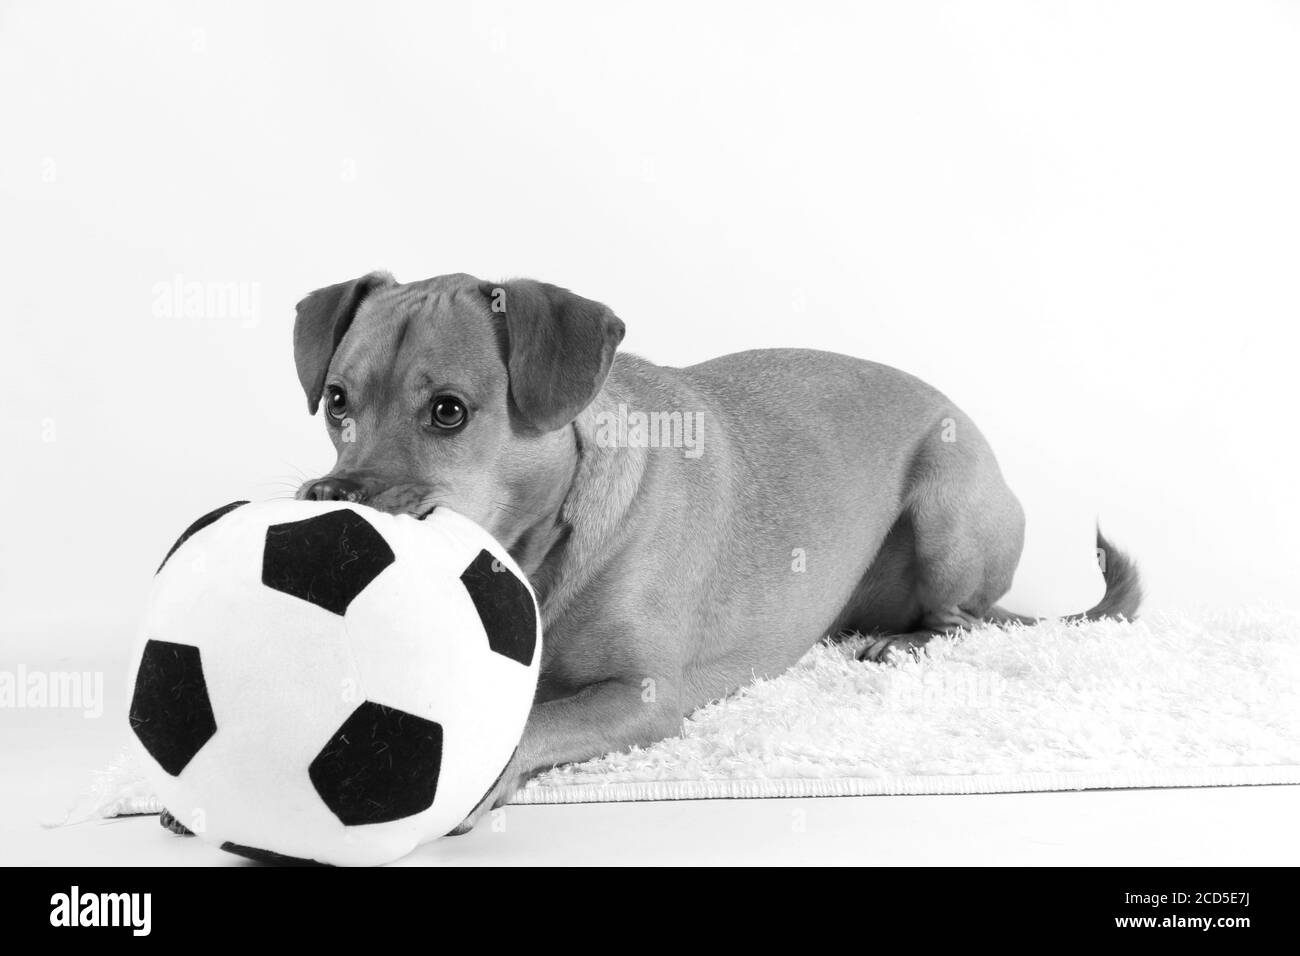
{"x":452,"y":391}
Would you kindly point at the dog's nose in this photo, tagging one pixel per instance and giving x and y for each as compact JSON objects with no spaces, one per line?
{"x":336,"y":489}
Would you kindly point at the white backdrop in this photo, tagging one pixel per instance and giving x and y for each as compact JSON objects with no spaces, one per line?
{"x":1078,"y":220}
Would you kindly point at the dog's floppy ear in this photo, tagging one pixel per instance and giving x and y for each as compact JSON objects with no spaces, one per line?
{"x":559,"y":348}
{"x":323,"y":318}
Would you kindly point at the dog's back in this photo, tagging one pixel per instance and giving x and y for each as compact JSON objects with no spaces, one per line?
{"x":804,"y":466}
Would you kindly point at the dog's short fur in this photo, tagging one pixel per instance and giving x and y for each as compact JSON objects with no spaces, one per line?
{"x":824,"y":493}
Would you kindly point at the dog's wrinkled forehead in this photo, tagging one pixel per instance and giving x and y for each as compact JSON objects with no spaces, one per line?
{"x":436,"y":332}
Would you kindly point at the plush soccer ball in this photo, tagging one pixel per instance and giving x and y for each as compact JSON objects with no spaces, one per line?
{"x":327,"y":682}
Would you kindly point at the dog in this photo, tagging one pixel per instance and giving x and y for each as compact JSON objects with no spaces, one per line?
{"x":818,"y":494}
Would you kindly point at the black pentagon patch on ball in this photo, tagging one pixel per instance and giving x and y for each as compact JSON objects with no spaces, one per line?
{"x":170,"y":710}
{"x":505,"y":607}
{"x":327,"y":560}
{"x":198,"y":526}
{"x":381,"y":765}
{"x":268,"y":856}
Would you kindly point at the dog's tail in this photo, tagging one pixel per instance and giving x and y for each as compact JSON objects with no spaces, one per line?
{"x":1123,"y":590}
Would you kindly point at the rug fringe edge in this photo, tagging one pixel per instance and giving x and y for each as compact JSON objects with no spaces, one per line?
{"x":907,"y":786}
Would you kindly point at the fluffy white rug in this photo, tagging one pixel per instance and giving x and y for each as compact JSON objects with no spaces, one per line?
{"x":1167,"y":700}
{"x":1205,"y":700}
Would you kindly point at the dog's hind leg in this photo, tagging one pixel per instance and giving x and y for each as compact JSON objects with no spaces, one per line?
{"x":947,"y":623}
{"x":966,"y":532}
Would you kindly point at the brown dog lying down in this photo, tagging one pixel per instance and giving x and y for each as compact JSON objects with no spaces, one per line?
{"x":686,"y":529}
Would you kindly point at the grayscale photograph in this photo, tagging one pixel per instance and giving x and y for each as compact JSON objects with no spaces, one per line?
{"x":504,"y":434}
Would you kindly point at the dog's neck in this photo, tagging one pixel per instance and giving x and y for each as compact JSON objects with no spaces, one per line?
{"x":537,"y":547}
{"x":563,"y":550}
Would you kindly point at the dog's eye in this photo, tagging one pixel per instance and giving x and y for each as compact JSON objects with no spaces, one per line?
{"x":449,"y":412}
{"x":336,"y":402}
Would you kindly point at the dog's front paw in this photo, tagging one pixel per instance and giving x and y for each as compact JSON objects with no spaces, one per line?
{"x":511,"y":779}
{"x":175,"y":826}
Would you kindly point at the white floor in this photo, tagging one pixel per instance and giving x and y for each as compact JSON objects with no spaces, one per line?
{"x":46,"y":759}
